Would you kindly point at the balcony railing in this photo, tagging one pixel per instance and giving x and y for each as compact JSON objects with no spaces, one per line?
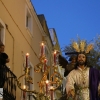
{"x":8,"y":83}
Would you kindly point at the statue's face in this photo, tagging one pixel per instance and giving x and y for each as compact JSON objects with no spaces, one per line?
{"x":73,"y":60}
{"x":81,"y":59}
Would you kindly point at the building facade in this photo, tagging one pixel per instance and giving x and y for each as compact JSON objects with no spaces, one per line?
{"x":21,"y":31}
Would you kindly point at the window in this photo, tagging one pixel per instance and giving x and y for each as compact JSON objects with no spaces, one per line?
{"x":29,"y":20}
{"x":2,"y":32}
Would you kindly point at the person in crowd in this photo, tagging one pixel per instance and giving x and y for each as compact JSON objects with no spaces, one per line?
{"x":3,"y":56}
{"x":3,"y":60}
{"x":70,"y":65}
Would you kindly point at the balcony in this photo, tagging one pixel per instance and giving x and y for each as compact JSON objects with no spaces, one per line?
{"x":7,"y":84}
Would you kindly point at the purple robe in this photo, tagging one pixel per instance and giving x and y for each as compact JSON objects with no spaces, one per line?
{"x":94,"y":79}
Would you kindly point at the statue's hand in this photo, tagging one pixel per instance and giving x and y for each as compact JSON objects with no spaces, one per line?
{"x":99,"y":90}
{"x":71,"y":93}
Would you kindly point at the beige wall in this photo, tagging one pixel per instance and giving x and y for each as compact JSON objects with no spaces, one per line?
{"x":18,"y":40}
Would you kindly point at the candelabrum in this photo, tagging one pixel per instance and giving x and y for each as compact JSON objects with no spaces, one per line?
{"x":46,"y":86}
{"x":55,"y":80}
{"x":28,"y":79}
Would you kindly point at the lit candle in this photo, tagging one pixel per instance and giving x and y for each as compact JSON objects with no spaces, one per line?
{"x":42,"y":49}
{"x":51,"y":90}
{"x":45,"y":63}
{"x":27,"y":59}
{"x":24,"y":95}
{"x":24,"y":87}
{"x":47,"y":87}
{"x":51,"y":94}
{"x":54,"y":57}
{"x":42,"y":44}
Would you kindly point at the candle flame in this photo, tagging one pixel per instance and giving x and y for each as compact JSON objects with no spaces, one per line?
{"x":47,"y":81}
{"x":55,"y":52}
{"x":27,"y":54}
{"x":42,"y":43}
{"x":24,"y":86}
{"x":45,"y":59}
